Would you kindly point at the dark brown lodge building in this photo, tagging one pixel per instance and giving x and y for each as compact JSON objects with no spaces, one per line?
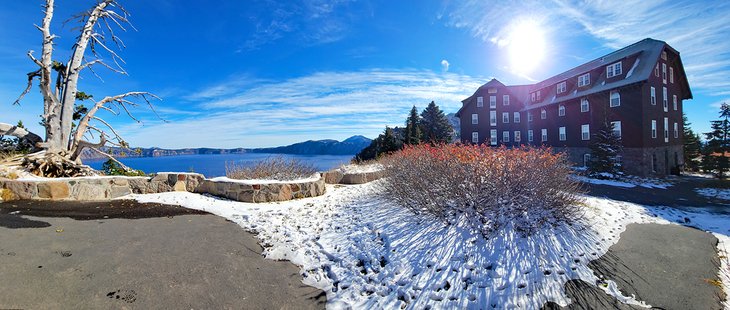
{"x":640,"y":88}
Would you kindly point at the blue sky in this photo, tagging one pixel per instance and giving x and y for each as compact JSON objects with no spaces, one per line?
{"x":266,"y":73}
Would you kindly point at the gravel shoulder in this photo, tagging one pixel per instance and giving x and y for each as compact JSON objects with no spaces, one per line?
{"x":123,"y":254}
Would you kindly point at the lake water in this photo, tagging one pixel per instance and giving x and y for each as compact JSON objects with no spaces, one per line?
{"x":215,"y":165}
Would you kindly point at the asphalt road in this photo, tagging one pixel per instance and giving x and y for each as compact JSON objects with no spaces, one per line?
{"x":124,"y":255}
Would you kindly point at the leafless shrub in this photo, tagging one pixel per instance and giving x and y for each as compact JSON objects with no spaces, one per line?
{"x":275,"y":167}
{"x":525,"y":188}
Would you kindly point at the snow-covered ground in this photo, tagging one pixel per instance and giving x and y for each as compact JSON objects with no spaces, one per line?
{"x":719,"y":193}
{"x":365,"y":252}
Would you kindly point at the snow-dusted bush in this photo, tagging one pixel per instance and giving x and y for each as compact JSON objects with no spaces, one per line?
{"x":274,"y":168}
{"x":490,"y":188}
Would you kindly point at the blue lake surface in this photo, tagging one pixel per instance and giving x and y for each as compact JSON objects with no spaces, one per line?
{"x":215,"y":165}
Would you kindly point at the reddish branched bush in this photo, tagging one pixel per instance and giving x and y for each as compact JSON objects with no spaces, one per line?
{"x":526,"y":188}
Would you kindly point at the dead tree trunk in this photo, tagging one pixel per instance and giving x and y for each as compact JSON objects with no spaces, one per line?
{"x":20,"y":133}
{"x":59,"y":98}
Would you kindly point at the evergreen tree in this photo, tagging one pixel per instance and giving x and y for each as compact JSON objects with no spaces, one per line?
{"x":412,"y":134}
{"x":605,"y":148}
{"x":435,"y":126}
{"x":386,"y":142}
{"x":718,"y":144}
{"x":692,"y":146}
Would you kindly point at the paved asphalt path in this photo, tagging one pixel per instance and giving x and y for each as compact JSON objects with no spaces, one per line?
{"x":126,"y":255}
{"x":681,"y":195}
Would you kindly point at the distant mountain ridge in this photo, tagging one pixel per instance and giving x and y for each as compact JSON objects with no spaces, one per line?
{"x":349,"y":146}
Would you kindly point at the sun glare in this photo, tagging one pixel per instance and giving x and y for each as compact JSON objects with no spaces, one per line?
{"x":526,"y":47}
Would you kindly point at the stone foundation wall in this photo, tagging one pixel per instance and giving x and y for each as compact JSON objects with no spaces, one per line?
{"x":262,"y":192}
{"x":338,"y":177}
{"x":105,"y":188}
{"x":639,"y":161}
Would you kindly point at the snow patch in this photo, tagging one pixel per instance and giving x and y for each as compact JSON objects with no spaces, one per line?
{"x":367,"y":168}
{"x":718,"y":193}
{"x":365,"y":252}
{"x":315,"y":177}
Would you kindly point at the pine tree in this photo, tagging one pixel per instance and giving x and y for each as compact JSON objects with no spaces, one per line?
{"x":605,"y":148}
{"x":435,"y":126}
{"x":718,"y":144}
{"x":412,"y":134}
{"x":386,"y":142}
{"x":692,"y":146}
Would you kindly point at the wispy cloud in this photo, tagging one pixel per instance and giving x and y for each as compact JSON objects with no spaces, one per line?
{"x":325,"y":105}
{"x":698,"y":29}
{"x":310,"y":21}
{"x":445,"y":65}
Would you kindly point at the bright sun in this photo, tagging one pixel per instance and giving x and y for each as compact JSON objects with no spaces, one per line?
{"x":526,"y":46}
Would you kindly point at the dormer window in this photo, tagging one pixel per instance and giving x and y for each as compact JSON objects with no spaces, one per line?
{"x":532,"y":97}
{"x":538,"y":95}
{"x":561,"y":87}
{"x":613,"y":70}
{"x":584,"y":80}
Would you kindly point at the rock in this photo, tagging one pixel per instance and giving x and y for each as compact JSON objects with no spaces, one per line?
{"x":333,"y":176}
{"x":20,"y":189}
{"x":86,"y":191}
{"x":53,"y":190}
{"x":119,"y":191}
{"x":180,"y":186}
{"x":284,"y":193}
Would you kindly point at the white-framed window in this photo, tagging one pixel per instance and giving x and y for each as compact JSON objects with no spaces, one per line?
{"x":492,"y":90}
{"x":616,"y":128}
{"x":538,"y":95}
{"x":586,"y":159}
{"x":544,"y":135}
{"x":493,"y":137}
{"x":653,"y":95}
{"x":585,"y":132}
{"x":615,"y":99}
{"x":584,"y":105}
{"x":543,"y":114}
{"x":613,"y":70}
{"x":562,"y":86}
{"x":653,"y":129}
{"x":584,"y":79}
{"x":671,"y":74}
{"x":505,"y":117}
{"x":492,"y":118}
{"x":666,"y":129}
{"x":561,"y":110}
{"x":492,"y":102}
{"x":474,"y":137}
{"x":532,"y":97}
{"x":664,"y":73}
{"x":529,"y":116}
{"x":530,"y":136}
{"x":505,"y":99}
{"x":516,"y":117}
{"x":505,"y":136}
{"x":665,"y":100}
{"x":518,"y":137}
{"x":656,"y":70}
{"x":674,"y":102}
{"x":676,"y":130}
{"x":561,"y":134}
{"x":480,"y":102}
{"x":474,"y":119}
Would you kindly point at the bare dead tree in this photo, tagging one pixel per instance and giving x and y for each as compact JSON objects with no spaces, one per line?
{"x":96,"y":34}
